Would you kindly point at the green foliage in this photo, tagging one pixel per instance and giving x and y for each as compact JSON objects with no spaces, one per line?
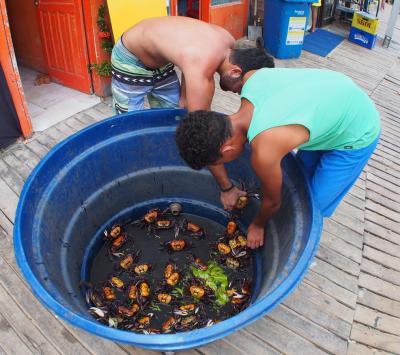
{"x":104,"y":69}
{"x":216,"y":279}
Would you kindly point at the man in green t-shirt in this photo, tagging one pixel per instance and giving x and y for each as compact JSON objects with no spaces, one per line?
{"x":329,"y":119}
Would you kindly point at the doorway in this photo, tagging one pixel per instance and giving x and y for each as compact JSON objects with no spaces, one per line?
{"x":229,"y":14}
{"x":50,"y":48}
{"x":189,"y":8}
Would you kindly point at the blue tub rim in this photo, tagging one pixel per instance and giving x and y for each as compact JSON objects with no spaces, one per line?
{"x":164,"y":342}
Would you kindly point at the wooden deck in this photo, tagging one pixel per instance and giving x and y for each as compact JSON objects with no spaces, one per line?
{"x":349,"y":301}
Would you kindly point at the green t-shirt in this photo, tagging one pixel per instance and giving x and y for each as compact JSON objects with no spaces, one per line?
{"x":336,"y":112}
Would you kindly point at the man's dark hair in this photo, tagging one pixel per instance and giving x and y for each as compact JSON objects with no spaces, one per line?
{"x":200,"y":137}
{"x":251,"y":59}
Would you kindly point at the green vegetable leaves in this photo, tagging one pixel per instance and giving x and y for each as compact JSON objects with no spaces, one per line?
{"x":216,"y":279}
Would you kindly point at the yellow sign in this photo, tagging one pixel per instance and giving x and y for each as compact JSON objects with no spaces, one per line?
{"x":365,"y":22}
{"x":126,"y":13}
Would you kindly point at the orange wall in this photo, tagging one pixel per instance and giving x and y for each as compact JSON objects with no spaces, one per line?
{"x":232,"y":17}
{"x":25,"y":34}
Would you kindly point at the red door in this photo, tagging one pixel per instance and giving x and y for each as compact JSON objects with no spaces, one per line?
{"x":229,"y":14}
{"x":64,"y":43}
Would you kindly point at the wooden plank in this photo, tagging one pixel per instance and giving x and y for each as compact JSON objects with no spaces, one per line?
{"x":382,"y":221}
{"x":241,"y":342}
{"x":85,"y":118}
{"x":67,"y":130}
{"x":354,"y":201}
{"x":345,"y":218}
{"x":357,"y":192}
{"x":380,"y":271}
{"x":319,"y":336}
{"x":373,"y":228}
{"x":383,"y":210}
{"x":74,"y":124}
{"x":12,"y":179}
{"x":303,"y":303}
{"x":338,"y":260}
{"x":378,"y":302}
{"x":11,"y":343}
{"x":383,"y":174}
{"x":56,"y":134}
{"x":39,"y":149}
{"x":359,"y":349}
{"x":14,"y":163}
{"x":382,"y":244}
{"x":340,"y":246}
{"x":6,"y":225}
{"x":46,"y":140}
{"x":377,"y":320}
{"x":336,"y":275}
{"x":281,"y":338}
{"x":390,"y":187}
{"x":26,"y":156}
{"x":328,"y":287}
{"x":379,"y":286}
{"x":382,"y":258}
{"x":31,"y":336}
{"x":39,"y":316}
{"x":8,"y":200}
{"x":375,"y":338}
{"x":61,"y":335}
{"x":340,"y":231}
{"x":377,"y":197}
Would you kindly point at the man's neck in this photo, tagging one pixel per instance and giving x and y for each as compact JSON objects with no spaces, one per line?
{"x":241,"y":120}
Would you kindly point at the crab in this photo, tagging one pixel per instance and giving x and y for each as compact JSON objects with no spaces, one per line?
{"x":117,"y":243}
{"x":109,"y":293}
{"x":132,"y":292}
{"x":186,"y":310}
{"x":144,"y":292}
{"x":192,"y":229}
{"x":239,"y":293}
{"x":238,"y":246}
{"x":141,"y":269}
{"x":242,"y":201}
{"x":173,"y":279}
{"x":175,"y":245}
{"x":164,"y":297}
{"x":168,"y":325}
{"x":169,"y":269}
{"x":92,"y":296}
{"x":114,"y":231}
{"x":235,"y":263}
{"x":117,"y":282}
{"x":231,"y":228}
{"x":148,"y":218}
{"x":128,"y":312}
{"x":198,"y":290}
{"x":143,"y":322}
{"x":197,"y":262}
{"x":187,"y":323}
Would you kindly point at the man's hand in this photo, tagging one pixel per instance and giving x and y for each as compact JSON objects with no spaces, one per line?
{"x":255,"y":236}
{"x":229,"y":199}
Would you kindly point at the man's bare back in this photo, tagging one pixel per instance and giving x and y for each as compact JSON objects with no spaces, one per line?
{"x":178,"y":40}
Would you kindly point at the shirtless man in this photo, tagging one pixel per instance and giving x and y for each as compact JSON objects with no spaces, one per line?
{"x":144,"y":57}
{"x":335,"y":133}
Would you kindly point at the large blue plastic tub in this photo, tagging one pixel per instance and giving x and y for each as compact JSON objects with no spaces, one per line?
{"x":121,"y":167}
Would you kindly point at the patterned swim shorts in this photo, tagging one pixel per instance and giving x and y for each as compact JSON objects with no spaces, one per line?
{"x":132,"y":81}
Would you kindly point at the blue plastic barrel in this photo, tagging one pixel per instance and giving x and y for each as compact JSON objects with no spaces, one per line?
{"x":285,"y":23}
{"x":120,"y":167}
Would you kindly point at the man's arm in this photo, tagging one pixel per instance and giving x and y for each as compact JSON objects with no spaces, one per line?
{"x":268,"y":150}
{"x":199,"y":92}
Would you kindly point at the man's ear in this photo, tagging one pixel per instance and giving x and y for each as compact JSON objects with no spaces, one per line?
{"x":226,"y":148}
{"x":236,"y":71}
